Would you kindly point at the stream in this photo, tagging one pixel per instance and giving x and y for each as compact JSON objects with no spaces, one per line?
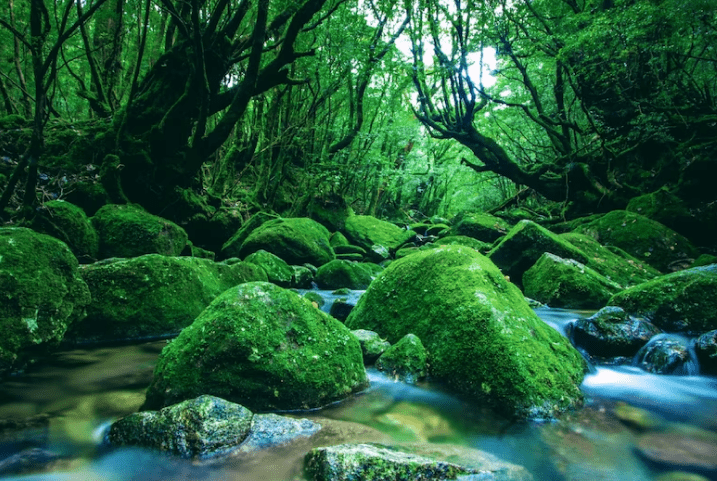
{"x":621,"y":433}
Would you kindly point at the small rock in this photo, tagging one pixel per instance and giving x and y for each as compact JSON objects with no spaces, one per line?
{"x":405,"y":360}
{"x":666,"y":354}
{"x":706,"y":350}
{"x":372,"y":345}
{"x":694,"y":449}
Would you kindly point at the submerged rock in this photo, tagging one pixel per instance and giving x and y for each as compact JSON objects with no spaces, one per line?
{"x":681,"y":449}
{"x":611,"y":333}
{"x":667,"y":354}
{"x":567,"y":283}
{"x":679,"y":302}
{"x":296,"y":241}
{"x":482,"y":337}
{"x":261,"y":346}
{"x":525,"y":244}
{"x":153,"y":295}
{"x":413,"y":462}
{"x":42,"y":294}
{"x":405,"y":360}
{"x":130,"y":231}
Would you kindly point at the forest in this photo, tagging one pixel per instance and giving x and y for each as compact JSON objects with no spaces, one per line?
{"x":403,"y":109}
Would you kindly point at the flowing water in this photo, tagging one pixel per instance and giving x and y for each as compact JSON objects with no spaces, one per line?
{"x":621,"y":434}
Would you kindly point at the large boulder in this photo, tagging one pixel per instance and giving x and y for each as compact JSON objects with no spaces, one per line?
{"x":261,"y":346}
{"x":646,"y":239}
{"x":339,"y":273}
{"x":367,"y":231}
{"x":523,"y":246}
{"x":277,"y":270}
{"x":67,"y":222}
{"x":683,"y":301}
{"x":613,"y":263}
{"x":232,"y":246}
{"x":130,"y":231}
{"x":481,"y":226}
{"x":42,"y":293}
{"x":411,"y":462}
{"x":297,"y":241}
{"x":482,"y":337}
{"x":153,"y":295}
{"x":567,"y":283}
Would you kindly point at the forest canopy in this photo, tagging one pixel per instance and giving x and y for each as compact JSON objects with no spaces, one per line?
{"x":188,"y":107}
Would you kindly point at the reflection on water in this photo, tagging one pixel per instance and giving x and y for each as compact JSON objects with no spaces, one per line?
{"x":84,"y":389}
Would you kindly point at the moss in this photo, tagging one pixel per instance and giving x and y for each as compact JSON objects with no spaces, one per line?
{"x":646,"y":239}
{"x":232,"y":246}
{"x":705,"y":260}
{"x":615,"y":264}
{"x":330,"y":211}
{"x":42,"y":293}
{"x":524,"y":244}
{"x":372,"y":346}
{"x":567,"y":283}
{"x":315,"y":297}
{"x":129,"y":231}
{"x":297,"y":241}
{"x":483,"y":227}
{"x":151,"y":295}
{"x":366,"y":231}
{"x":277,"y":271}
{"x":405,"y":251}
{"x":198,"y":428}
{"x":90,"y":196}
{"x":483,"y":339}
{"x":351,"y":462}
{"x":13,"y":121}
{"x":339,"y":273}
{"x":68,"y":223}
{"x":263,"y":347}
{"x":462,"y":240}
{"x":338,"y":239}
{"x":406,"y":360}
{"x":682,"y":301}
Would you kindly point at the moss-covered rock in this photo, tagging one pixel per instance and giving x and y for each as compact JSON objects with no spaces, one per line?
{"x":367,"y":231}
{"x":668,"y":209}
{"x":331,"y":211}
{"x":349,"y":249}
{"x":296,"y":241}
{"x":482,"y":337}
{"x":412,"y":462}
{"x":340,"y":273}
{"x":42,"y":294}
{"x":705,"y":260}
{"x":644,"y":238}
{"x":277,"y":271}
{"x":232,"y":246}
{"x":481,"y":226}
{"x":372,"y":346}
{"x":337,"y":239}
{"x":524,"y":244}
{"x":567,"y":283}
{"x":463,"y":240}
{"x":68,"y":223}
{"x":611,"y":333}
{"x":666,"y":354}
{"x":683,"y":301}
{"x":197,"y":428}
{"x":406,"y":360}
{"x":261,"y":346}
{"x":302,"y":277}
{"x":130,"y":231}
{"x":613,"y":263}
{"x":341,"y":308}
{"x":152,"y":295}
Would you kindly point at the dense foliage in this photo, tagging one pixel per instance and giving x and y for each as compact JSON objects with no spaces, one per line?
{"x":395,"y":108}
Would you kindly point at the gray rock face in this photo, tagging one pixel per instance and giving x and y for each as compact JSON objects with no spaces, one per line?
{"x":411,"y":462}
{"x":271,"y":430}
{"x":203,"y":427}
{"x":611,"y":332}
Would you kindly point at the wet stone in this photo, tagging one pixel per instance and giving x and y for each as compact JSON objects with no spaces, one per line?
{"x":372,"y":346}
{"x":706,"y":350}
{"x":667,"y":354}
{"x":691,"y":450}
